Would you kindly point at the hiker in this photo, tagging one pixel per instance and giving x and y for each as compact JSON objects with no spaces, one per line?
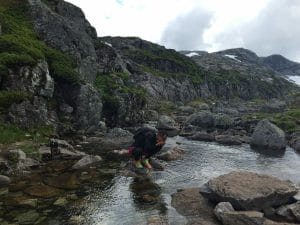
{"x":146,"y":143}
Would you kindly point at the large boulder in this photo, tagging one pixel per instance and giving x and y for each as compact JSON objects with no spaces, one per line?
{"x":269,"y":136}
{"x":166,"y":123}
{"x":249,"y":191}
{"x":203,"y":119}
{"x":4,"y":180}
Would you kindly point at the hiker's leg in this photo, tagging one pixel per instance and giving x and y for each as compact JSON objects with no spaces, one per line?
{"x":137,"y":154}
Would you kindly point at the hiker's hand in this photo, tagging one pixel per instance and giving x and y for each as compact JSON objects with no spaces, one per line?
{"x":160,"y":143}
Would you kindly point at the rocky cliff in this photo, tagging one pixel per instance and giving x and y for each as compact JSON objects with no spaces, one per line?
{"x":54,"y":70}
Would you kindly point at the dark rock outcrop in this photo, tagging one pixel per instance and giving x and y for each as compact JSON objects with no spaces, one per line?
{"x":249,"y":191}
{"x":63,"y":26}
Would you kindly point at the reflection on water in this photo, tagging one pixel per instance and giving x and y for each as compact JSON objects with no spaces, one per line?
{"x":132,"y":201}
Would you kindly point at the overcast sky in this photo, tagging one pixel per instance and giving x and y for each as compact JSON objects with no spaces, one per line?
{"x":264,"y":26}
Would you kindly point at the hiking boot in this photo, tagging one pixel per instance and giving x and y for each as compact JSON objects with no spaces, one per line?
{"x":138,"y":164}
{"x":147,"y":164}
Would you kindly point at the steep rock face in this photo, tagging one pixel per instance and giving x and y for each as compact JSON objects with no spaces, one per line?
{"x":168,"y":75}
{"x":241,"y":73}
{"x":38,"y":85}
{"x":63,"y":26}
{"x":109,"y":60}
{"x":167,"y":88}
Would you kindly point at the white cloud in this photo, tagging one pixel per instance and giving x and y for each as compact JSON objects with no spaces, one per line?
{"x":265,"y":26}
{"x":274,"y":30}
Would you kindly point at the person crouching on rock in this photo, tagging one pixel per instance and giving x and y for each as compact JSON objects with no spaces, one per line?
{"x":146,"y":143}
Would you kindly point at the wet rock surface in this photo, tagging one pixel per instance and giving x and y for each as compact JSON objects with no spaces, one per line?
{"x":174,"y":153}
{"x":249,"y":191}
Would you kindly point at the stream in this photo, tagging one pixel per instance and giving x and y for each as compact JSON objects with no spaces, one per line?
{"x":105,"y":197}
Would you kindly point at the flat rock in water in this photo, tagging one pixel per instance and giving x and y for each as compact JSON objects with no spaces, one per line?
{"x":249,"y":191}
{"x":191,"y":204}
{"x":42,"y":191}
{"x":228,"y":140}
{"x":86,"y":161}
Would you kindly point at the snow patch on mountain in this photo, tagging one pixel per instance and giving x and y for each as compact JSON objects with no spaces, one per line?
{"x":191,"y":54}
{"x":234,"y":57}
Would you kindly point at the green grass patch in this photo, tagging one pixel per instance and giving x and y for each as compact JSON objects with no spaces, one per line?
{"x":10,"y":134}
{"x":165,"y":107}
{"x":111,"y":84}
{"x":20,"y":46}
{"x":165,"y":63}
{"x":289,"y":121}
{"x":9,"y":97}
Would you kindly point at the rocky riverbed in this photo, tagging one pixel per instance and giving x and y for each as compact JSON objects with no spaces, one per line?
{"x":101,"y":194}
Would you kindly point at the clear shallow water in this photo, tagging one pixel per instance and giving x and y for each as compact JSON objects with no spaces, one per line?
{"x":130,"y":201}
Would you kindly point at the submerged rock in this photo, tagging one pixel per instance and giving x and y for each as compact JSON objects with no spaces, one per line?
{"x":269,"y":136}
{"x":65,"y":181}
{"x":42,"y":191}
{"x":194,"y":207}
{"x":61,"y":202}
{"x":29,"y":217}
{"x":249,"y":191}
